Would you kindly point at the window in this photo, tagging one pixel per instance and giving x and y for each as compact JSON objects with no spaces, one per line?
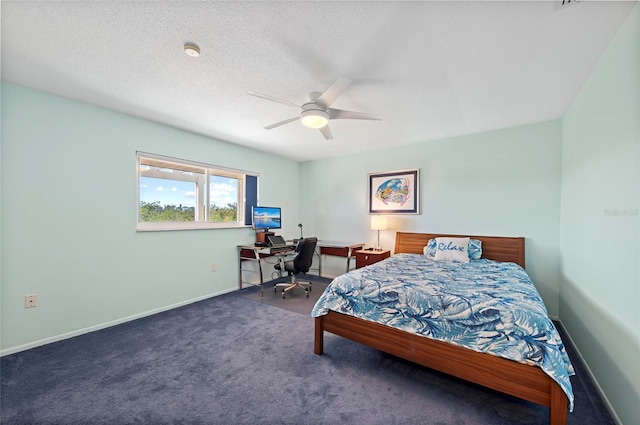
{"x":177,"y":194}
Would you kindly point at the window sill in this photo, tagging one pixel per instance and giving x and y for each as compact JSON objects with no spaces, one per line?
{"x":191,"y":225}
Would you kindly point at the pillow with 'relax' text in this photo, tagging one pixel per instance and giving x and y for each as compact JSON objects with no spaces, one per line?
{"x":474,"y":250}
{"x":452,"y":249}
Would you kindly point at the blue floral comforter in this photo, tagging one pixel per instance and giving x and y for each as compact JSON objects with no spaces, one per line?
{"x":483,"y":305}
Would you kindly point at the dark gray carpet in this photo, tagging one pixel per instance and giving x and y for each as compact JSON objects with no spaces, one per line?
{"x":230,"y":360}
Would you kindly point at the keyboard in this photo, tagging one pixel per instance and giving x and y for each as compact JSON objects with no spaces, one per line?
{"x":281,"y":248}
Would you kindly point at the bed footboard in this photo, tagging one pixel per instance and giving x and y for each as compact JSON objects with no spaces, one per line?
{"x":523,"y":381}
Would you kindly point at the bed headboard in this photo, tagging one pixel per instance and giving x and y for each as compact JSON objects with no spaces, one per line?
{"x":493,"y":247}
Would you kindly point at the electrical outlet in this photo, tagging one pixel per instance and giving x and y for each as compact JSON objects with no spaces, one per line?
{"x":30,"y":300}
{"x":214,"y":266}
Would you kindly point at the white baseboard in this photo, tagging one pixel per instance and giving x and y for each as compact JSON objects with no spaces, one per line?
{"x":608,"y":405}
{"x":105,"y":325}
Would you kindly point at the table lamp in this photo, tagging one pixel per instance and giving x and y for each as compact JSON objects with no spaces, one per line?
{"x":378,"y":222}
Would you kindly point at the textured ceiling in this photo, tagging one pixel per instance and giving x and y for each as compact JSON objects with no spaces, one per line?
{"x":431,"y":69}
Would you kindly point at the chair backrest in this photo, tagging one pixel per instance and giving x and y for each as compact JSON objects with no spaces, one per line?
{"x":303,"y":259}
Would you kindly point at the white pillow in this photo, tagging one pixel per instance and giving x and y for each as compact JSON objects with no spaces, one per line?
{"x":430,"y":249}
{"x":475,"y":249}
{"x":452,"y":249}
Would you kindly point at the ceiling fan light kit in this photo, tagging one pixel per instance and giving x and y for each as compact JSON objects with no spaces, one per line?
{"x":317,"y":112}
{"x":314,"y":118}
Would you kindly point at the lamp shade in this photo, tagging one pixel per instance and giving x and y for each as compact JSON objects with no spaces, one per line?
{"x":378,"y":222}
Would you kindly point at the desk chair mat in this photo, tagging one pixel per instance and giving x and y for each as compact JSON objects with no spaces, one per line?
{"x":296,"y":299}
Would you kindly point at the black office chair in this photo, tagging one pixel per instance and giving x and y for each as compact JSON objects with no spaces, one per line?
{"x":301,"y":263}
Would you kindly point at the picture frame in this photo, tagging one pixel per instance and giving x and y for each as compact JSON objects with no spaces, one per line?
{"x":394,"y":192}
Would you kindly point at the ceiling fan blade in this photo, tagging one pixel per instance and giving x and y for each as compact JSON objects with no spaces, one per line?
{"x":273,"y":99}
{"x":336,"y":114}
{"x":333,"y":92}
{"x":283,"y":122}
{"x":326,"y":132}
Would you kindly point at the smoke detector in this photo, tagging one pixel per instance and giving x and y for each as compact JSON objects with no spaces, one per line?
{"x":192,"y":50}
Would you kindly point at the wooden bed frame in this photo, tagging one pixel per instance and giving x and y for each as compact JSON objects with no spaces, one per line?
{"x":520,"y":380}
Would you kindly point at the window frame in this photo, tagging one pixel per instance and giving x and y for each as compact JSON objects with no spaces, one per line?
{"x":201,"y":218}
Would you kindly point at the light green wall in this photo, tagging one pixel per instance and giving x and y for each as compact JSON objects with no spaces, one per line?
{"x":69,"y":218}
{"x":503,"y":183}
{"x":68,"y":213}
{"x":600,"y":285}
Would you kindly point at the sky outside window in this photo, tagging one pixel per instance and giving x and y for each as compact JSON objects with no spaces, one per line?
{"x":167,"y":192}
{"x":223,"y":191}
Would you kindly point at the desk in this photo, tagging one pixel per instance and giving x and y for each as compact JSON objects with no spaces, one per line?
{"x":338,"y":249}
{"x":257,"y":253}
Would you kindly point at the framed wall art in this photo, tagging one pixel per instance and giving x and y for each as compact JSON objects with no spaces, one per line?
{"x":394,"y":192}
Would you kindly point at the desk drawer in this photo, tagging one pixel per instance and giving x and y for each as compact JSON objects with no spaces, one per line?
{"x":340,"y":251}
{"x":335,"y":251}
{"x":250,"y":254}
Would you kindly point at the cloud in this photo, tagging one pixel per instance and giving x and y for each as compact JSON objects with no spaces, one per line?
{"x":223,"y":193}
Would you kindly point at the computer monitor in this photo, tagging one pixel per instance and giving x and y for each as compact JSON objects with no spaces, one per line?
{"x":265,"y":218}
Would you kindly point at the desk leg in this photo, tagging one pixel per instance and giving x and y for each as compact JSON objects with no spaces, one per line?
{"x":349,"y":259}
{"x":256,"y":258}
{"x":240,"y":267}
{"x":260,"y":272}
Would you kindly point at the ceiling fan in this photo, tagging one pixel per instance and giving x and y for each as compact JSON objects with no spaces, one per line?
{"x":316,"y":113}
